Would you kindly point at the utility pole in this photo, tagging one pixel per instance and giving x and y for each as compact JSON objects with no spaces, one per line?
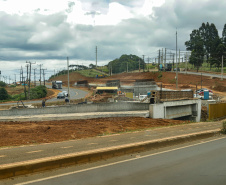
{"x":148,"y":63}
{"x":22,"y":76}
{"x":144,"y":62}
{"x":29,"y":87}
{"x":68,"y":80}
{"x":27,"y":70}
{"x":96,"y":56}
{"x":15,"y":78}
{"x":186,"y":55}
{"x":40,"y":73}
{"x":34,"y":77}
{"x":165,"y":56}
{"x":139,"y":64}
{"x":176,"y":64}
{"x":159,"y":60}
{"x":25,"y":91}
{"x":43,"y":73}
{"x":162,"y":57}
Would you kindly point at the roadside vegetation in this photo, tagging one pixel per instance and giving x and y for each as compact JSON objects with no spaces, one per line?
{"x":17,"y":93}
{"x":90,"y":73}
{"x":223,"y":130}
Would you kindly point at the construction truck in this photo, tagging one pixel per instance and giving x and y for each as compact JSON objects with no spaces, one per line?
{"x":57,"y":84}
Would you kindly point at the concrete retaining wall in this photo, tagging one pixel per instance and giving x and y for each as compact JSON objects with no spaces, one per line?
{"x":80,"y":108}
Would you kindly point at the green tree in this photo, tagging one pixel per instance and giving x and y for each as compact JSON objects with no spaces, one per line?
{"x":217,"y":56}
{"x":2,"y":84}
{"x":91,"y":66}
{"x":196,"y":45}
{"x":120,"y":65}
{"x":3,"y":94}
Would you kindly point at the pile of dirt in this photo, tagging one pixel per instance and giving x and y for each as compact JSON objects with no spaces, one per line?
{"x":220,"y":88}
{"x":25,"y":133}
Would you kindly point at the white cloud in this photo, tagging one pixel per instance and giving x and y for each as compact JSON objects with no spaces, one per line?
{"x":29,"y":6}
{"x":49,"y":30}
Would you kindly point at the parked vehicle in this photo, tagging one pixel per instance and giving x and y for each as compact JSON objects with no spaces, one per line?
{"x":65,"y":93}
{"x":201,"y":91}
{"x":60,"y":95}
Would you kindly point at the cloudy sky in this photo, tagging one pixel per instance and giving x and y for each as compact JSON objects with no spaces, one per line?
{"x":47,"y":31}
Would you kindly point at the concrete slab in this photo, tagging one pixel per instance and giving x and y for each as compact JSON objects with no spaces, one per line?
{"x":73,"y":116}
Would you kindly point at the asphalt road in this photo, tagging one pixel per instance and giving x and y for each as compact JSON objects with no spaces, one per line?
{"x":200,"y":163}
{"x":75,"y":94}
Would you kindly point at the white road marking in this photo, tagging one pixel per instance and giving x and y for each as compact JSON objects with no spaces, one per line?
{"x":113,"y":140}
{"x":92,"y":144}
{"x":67,"y":147}
{"x":111,"y":164}
{"x":34,"y":151}
{"x":76,"y":93}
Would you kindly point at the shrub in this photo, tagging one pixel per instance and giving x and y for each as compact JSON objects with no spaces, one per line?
{"x":18,"y":97}
{"x":2,"y":84}
{"x":3,"y":94}
{"x":38,"y":92}
{"x":160,"y":76}
{"x":223,"y":130}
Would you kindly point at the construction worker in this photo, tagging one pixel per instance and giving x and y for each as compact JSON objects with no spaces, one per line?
{"x":43,"y":102}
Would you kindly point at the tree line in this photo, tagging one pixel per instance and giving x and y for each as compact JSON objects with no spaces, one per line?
{"x":205,"y":44}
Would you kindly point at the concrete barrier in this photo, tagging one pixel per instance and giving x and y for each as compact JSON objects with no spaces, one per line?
{"x":79,"y":108}
{"x":48,"y":163}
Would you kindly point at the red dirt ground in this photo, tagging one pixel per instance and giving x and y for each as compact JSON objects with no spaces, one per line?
{"x":26,"y":133}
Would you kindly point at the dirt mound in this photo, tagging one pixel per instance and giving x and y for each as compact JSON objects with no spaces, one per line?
{"x":220,"y":88}
{"x":25,"y":133}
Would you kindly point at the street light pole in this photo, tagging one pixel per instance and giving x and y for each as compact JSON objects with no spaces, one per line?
{"x":176,"y":64}
{"x":68,"y":79}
